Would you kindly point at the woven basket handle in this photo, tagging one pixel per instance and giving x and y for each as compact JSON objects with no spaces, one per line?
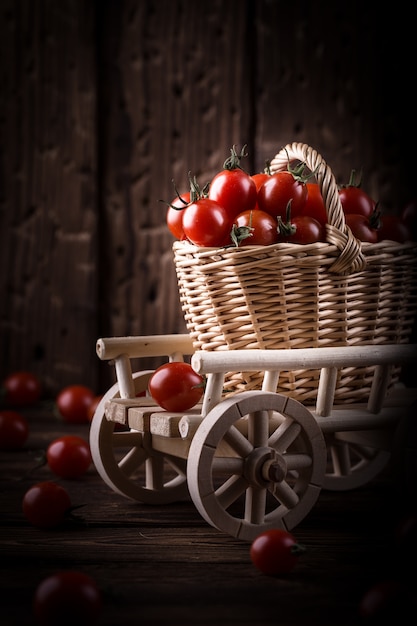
{"x":351,"y":258}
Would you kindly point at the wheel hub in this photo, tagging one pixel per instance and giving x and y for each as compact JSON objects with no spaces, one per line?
{"x":263,"y":466}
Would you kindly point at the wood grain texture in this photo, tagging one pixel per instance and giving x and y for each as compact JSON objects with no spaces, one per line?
{"x":164,"y":564}
{"x":104,"y":104}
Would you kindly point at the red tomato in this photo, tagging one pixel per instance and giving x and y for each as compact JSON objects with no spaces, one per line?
{"x":14,"y":430}
{"x":174,"y":215}
{"x":69,"y":456}
{"x":46,"y":504}
{"x":361,"y":227}
{"x":278,"y":191}
{"x":22,"y":389}
{"x":260,"y":226}
{"x":207,"y":224}
{"x":233,"y":188}
{"x":393,"y":228}
{"x":301,"y":229}
{"x":275,"y":552}
{"x":354,"y":199}
{"x":73,"y":402}
{"x":384,"y":600}
{"x":259,"y":179}
{"x":176,"y":386}
{"x":314,"y":204}
{"x":68,"y":597}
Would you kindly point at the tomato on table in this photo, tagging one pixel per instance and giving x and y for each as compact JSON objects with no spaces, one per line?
{"x":176,"y":386}
{"x":46,"y":504}
{"x":69,"y":456}
{"x":73,"y":403}
{"x":275,"y":552}
{"x":14,"y":430}
{"x":21,"y":389}
{"x":67,"y":597}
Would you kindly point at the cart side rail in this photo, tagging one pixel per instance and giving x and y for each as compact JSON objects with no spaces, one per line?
{"x":328,"y":359}
{"x":145,"y":346}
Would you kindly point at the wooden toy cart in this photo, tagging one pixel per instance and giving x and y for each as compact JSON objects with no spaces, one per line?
{"x":250,"y":460}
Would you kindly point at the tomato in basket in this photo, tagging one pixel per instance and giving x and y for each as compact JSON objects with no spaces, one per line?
{"x":233,"y":188}
{"x":354,"y":199}
{"x":175,"y":214}
{"x":314,"y":205}
{"x":282,"y":188}
{"x":361,"y":227}
{"x":394,"y":228}
{"x":254,"y":228}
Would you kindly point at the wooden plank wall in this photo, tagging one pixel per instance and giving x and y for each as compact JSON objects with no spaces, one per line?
{"x":104,"y":103}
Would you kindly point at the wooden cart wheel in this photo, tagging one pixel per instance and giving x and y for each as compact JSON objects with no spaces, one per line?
{"x":256,"y":462}
{"x":351,"y":462}
{"x":126,"y":462}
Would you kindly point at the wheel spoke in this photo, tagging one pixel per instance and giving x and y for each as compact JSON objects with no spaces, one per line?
{"x":231,"y":490}
{"x":298,"y":461}
{"x":285,"y":435}
{"x":132,"y":461}
{"x":238,"y":442}
{"x":258,"y":428}
{"x":255,"y":505}
{"x":285,"y":494}
{"x":340,"y":455}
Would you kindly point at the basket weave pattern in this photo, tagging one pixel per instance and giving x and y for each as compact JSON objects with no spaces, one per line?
{"x":334,"y":293}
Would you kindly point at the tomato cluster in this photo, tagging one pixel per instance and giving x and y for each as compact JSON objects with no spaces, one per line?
{"x":238,"y":209}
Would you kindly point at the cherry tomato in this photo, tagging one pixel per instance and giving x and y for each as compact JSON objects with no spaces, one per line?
{"x":314,"y":204}
{"x":260,"y":226}
{"x":301,"y":229}
{"x":72,"y":403}
{"x":206,"y":223}
{"x":14,"y":430}
{"x":67,"y":597}
{"x":69,"y":456}
{"x":46,"y":504}
{"x":393,"y":228}
{"x":176,"y":386}
{"x":361,"y":227}
{"x":22,"y":389}
{"x":92,"y":407}
{"x":275,"y":552}
{"x":384,"y":600}
{"x":232,"y":187}
{"x":278,"y":191}
{"x":259,"y":180}
{"x":354,"y":199}
{"x":174,"y":216}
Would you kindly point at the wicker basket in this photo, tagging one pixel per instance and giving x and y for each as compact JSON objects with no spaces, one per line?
{"x":285,"y":295}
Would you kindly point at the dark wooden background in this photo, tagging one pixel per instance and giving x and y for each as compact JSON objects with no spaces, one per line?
{"x":103,"y":103}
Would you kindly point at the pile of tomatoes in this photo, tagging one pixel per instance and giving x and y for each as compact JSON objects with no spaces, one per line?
{"x":239,"y":209}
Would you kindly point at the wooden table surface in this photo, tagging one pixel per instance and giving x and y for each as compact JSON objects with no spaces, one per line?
{"x":165,"y":565}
